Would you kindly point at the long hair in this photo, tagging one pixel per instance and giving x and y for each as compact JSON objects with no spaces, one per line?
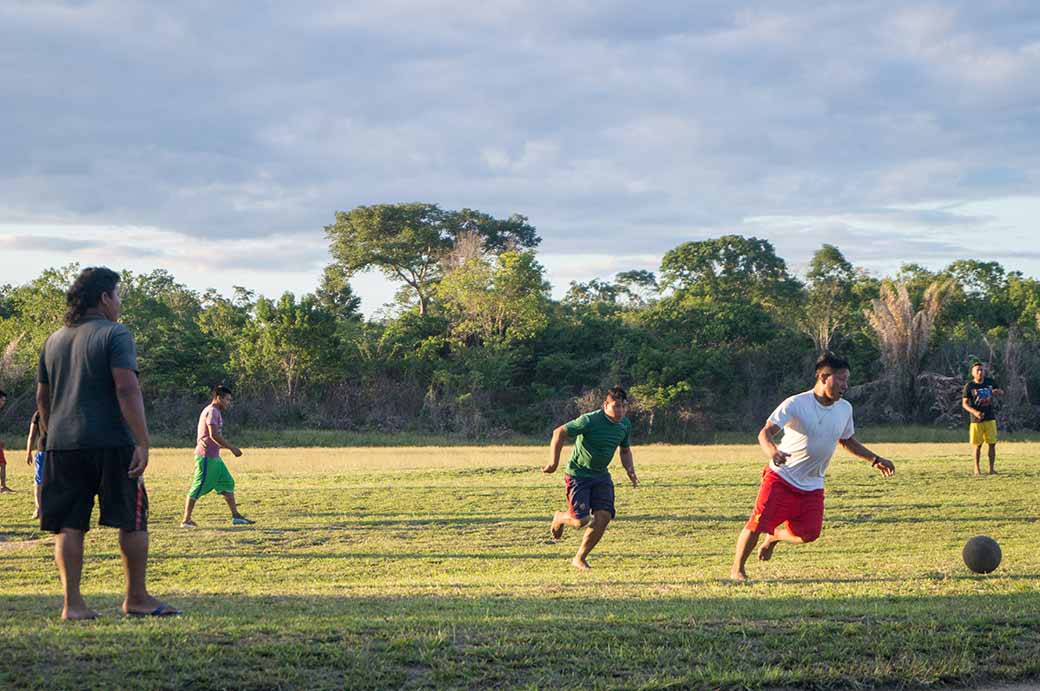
{"x":86,"y":291}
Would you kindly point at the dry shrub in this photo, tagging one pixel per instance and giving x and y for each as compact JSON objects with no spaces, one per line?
{"x":903,"y":337}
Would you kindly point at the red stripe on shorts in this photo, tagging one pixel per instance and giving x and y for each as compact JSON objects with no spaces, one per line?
{"x":140,"y":504}
{"x":567,"y":483}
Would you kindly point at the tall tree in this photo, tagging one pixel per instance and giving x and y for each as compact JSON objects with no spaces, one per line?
{"x":830,"y":296}
{"x":408,"y":241}
{"x":730,"y":268}
{"x":174,"y":353}
{"x":336,"y":295}
{"x":291,"y":342}
{"x":496,"y":302}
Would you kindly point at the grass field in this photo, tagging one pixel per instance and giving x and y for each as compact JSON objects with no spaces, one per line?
{"x":431,"y":568}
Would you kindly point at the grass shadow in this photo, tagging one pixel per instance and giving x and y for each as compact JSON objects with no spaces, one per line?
{"x":483,"y":641}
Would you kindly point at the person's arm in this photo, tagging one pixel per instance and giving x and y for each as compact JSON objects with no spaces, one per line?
{"x":131,"y":405}
{"x":768,"y":446}
{"x":29,"y":441}
{"x":555,"y":447}
{"x":884,"y":466}
{"x":630,"y":468}
{"x":214,"y":434}
{"x":966,"y":404}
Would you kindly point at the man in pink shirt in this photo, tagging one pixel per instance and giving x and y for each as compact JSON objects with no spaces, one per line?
{"x":211,"y":475}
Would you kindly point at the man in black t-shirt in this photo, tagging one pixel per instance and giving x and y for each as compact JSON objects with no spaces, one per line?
{"x":92,"y":412}
{"x":977,"y":400}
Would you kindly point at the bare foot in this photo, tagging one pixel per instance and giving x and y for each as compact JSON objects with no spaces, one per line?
{"x":36,"y":513}
{"x":765,"y":552}
{"x":580,"y":564}
{"x":6,"y":490}
{"x":978,"y":472}
{"x":992,"y":471}
{"x":738,"y":575}
{"x":79,"y":613}
{"x":556,"y":530}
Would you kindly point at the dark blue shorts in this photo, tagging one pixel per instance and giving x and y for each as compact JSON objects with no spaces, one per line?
{"x":588,"y":494}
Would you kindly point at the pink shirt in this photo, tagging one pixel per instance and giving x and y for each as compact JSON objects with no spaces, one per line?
{"x":205,"y":446}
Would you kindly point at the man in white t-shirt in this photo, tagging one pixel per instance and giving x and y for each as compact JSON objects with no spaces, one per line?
{"x":789,"y":507}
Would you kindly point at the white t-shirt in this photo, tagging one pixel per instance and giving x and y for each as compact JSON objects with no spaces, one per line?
{"x":811,"y":433}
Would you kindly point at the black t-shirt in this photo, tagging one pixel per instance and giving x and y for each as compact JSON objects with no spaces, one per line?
{"x":41,"y":438}
{"x":76,"y":364}
{"x":980,"y":397}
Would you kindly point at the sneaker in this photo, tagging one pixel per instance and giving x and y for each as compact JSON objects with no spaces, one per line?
{"x":188,"y":524}
{"x":241,"y":520}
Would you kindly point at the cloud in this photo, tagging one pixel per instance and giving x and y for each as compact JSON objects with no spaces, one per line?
{"x":32,"y":243}
{"x":608,"y":124}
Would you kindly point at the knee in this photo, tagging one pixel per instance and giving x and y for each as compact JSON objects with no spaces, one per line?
{"x":601,"y":517}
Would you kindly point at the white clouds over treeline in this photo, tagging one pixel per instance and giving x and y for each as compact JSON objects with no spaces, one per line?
{"x":617,"y":128}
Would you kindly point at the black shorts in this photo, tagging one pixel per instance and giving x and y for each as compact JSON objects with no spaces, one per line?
{"x":72,"y":478}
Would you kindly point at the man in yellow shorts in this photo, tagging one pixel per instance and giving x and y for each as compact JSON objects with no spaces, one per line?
{"x":977,"y":400}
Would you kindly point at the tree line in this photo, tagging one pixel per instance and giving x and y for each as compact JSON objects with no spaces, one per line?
{"x":477,"y":347}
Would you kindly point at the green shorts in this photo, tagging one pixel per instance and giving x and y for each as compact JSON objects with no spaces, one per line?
{"x":211,"y":475}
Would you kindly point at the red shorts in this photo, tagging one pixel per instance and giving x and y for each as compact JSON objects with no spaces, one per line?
{"x":780,"y":502}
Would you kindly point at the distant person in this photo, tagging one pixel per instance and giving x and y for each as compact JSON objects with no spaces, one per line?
{"x":35,"y":444}
{"x":789,"y":507}
{"x":211,"y":475}
{"x":977,"y":399}
{"x":590,"y":489}
{"x":3,"y":459}
{"x":92,"y":412}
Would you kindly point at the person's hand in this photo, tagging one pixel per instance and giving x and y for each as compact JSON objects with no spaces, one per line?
{"x":780,"y":457}
{"x":28,"y":457}
{"x":633,"y":478}
{"x":550,"y":467}
{"x":236,"y":452}
{"x":139,"y":462}
{"x":978,"y":415}
{"x":884,"y":466}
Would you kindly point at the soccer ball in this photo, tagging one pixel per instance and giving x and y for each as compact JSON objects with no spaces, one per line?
{"x":981,"y":554}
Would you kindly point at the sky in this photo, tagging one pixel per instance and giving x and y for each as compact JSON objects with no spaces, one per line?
{"x":217,"y":140}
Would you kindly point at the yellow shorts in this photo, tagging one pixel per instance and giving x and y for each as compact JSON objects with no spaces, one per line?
{"x":983,"y":432}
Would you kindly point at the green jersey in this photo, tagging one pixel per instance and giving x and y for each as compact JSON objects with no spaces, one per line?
{"x":596,"y":439}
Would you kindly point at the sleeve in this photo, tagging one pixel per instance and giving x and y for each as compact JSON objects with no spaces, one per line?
{"x":966,"y":393}
{"x":577,"y":426}
{"x":41,"y":368}
{"x":850,"y":428}
{"x":121,"y":351}
{"x":213,"y":417}
{"x":627,"y":441}
{"x":783,"y":413}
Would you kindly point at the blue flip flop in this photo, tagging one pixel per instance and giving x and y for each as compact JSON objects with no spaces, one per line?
{"x":160,"y":611}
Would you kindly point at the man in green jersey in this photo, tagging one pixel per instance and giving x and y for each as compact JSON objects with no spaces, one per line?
{"x":590,"y":490}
